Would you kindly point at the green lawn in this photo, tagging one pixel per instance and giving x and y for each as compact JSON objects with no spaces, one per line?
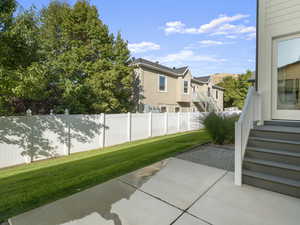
{"x":28,"y":186}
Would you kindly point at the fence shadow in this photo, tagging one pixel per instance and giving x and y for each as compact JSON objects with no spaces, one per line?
{"x":40,"y":137}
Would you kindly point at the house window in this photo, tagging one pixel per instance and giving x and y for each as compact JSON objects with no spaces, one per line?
{"x":185,"y":87}
{"x":208,"y":92}
{"x":163,"y":109}
{"x":217,"y":94}
{"x":162,"y":83}
{"x":177,"y":109}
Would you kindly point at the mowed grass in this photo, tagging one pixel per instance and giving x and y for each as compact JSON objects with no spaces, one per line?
{"x":28,"y":186}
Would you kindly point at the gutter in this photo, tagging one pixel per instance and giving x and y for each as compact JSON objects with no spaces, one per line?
{"x":163,"y":70}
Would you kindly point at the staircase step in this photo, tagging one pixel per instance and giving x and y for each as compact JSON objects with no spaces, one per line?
{"x":271,"y":143}
{"x":272,"y":183}
{"x":274,"y":155}
{"x":285,"y":123}
{"x":273,"y":168}
{"x":276,"y":132}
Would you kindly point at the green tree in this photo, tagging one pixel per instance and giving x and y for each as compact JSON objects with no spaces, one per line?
{"x":19,"y":50}
{"x":65,"y":58}
{"x":236,"y":90}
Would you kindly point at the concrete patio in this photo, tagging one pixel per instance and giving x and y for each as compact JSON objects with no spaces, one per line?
{"x":175,"y":191}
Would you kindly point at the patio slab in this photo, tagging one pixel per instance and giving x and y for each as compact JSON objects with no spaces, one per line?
{"x":187,"y":219}
{"x":227,"y":204}
{"x":178,"y":182}
{"x":111,"y":203}
{"x":221,"y":157}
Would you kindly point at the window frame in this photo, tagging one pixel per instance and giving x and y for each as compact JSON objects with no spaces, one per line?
{"x":188,"y":83}
{"x":166,"y":83}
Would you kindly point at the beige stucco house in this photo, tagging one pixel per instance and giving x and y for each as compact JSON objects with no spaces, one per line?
{"x":165,"y":89}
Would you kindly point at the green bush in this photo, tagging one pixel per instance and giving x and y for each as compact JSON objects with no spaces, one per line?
{"x":220,"y":128}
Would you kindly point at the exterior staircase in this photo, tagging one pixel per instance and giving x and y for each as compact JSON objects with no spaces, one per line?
{"x":272,"y":158}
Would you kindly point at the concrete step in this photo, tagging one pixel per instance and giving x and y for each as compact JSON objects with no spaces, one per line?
{"x":276,"y":144}
{"x":272,"y":168}
{"x":273,"y":155}
{"x":275,"y":132}
{"x":272,"y":183}
{"x":287,"y":123}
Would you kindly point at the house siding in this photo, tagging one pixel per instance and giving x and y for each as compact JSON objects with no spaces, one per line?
{"x":277,"y":18}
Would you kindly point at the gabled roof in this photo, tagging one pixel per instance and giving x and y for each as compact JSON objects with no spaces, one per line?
{"x":157,"y":66}
{"x":203,"y":79}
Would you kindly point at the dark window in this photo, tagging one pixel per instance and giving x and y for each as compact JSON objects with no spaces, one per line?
{"x":217,"y":94}
{"x":177,"y":109}
{"x":185,"y":87}
{"x":162,"y":83}
{"x":163,"y":109}
{"x":208,"y":92}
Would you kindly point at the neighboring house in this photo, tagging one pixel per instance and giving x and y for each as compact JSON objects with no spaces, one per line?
{"x":165,"y":89}
{"x":267,"y":153}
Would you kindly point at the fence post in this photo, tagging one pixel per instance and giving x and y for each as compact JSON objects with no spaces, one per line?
{"x":150,"y":124}
{"x":189,"y":121}
{"x":27,"y":157}
{"x":129,"y":126}
{"x":102,"y":129}
{"x":68,"y":136}
{"x":178,"y":121}
{"x":166,"y":123}
{"x":238,"y":155}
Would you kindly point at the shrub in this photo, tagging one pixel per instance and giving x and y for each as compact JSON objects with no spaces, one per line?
{"x":221,"y":128}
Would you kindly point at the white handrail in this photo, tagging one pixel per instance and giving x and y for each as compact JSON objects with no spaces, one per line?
{"x":251,"y":113}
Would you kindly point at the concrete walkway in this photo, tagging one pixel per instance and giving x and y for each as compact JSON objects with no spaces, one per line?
{"x":171,"y":192}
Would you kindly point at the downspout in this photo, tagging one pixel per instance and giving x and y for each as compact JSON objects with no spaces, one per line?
{"x":257,"y":44}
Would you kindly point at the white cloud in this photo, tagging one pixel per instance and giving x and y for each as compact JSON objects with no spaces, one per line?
{"x":221,"y":20}
{"x":188,"y":56}
{"x":210,"y":43}
{"x":232,"y":36}
{"x":143,"y":47}
{"x":251,"y":36}
{"x":180,"y":27}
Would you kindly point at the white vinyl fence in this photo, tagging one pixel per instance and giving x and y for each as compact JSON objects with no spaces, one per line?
{"x":25,"y":139}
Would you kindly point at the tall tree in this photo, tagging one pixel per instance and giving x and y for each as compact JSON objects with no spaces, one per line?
{"x":236,"y":90}
{"x":18,"y":51}
{"x":73,"y":62}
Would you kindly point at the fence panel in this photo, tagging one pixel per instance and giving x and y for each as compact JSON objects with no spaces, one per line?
{"x":184,"y":122}
{"x":84,"y":132}
{"x":116,"y":129}
{"x":139,"y":126}
{"x":172,"y":123}
{"x":12,"y":140}
{"x":47,"y":136}
{"x":158,"y":124}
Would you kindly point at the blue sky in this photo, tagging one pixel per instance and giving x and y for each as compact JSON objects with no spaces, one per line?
{"x":209,"y":36}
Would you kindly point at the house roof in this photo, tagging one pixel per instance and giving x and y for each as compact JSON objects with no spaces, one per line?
{"x":203,"y":79}
{"x":218,"y":87}
{"x":156,"y":65}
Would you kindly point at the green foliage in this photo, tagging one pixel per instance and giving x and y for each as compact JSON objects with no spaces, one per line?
{"x":64,"y":57}
{"x":220,"y":128}
{"x":236,"y":90}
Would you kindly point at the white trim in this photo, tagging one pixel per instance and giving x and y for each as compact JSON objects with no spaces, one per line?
{"x":188,"y":89}
{"x":166,"y":83}
{"x":280,"y":113}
